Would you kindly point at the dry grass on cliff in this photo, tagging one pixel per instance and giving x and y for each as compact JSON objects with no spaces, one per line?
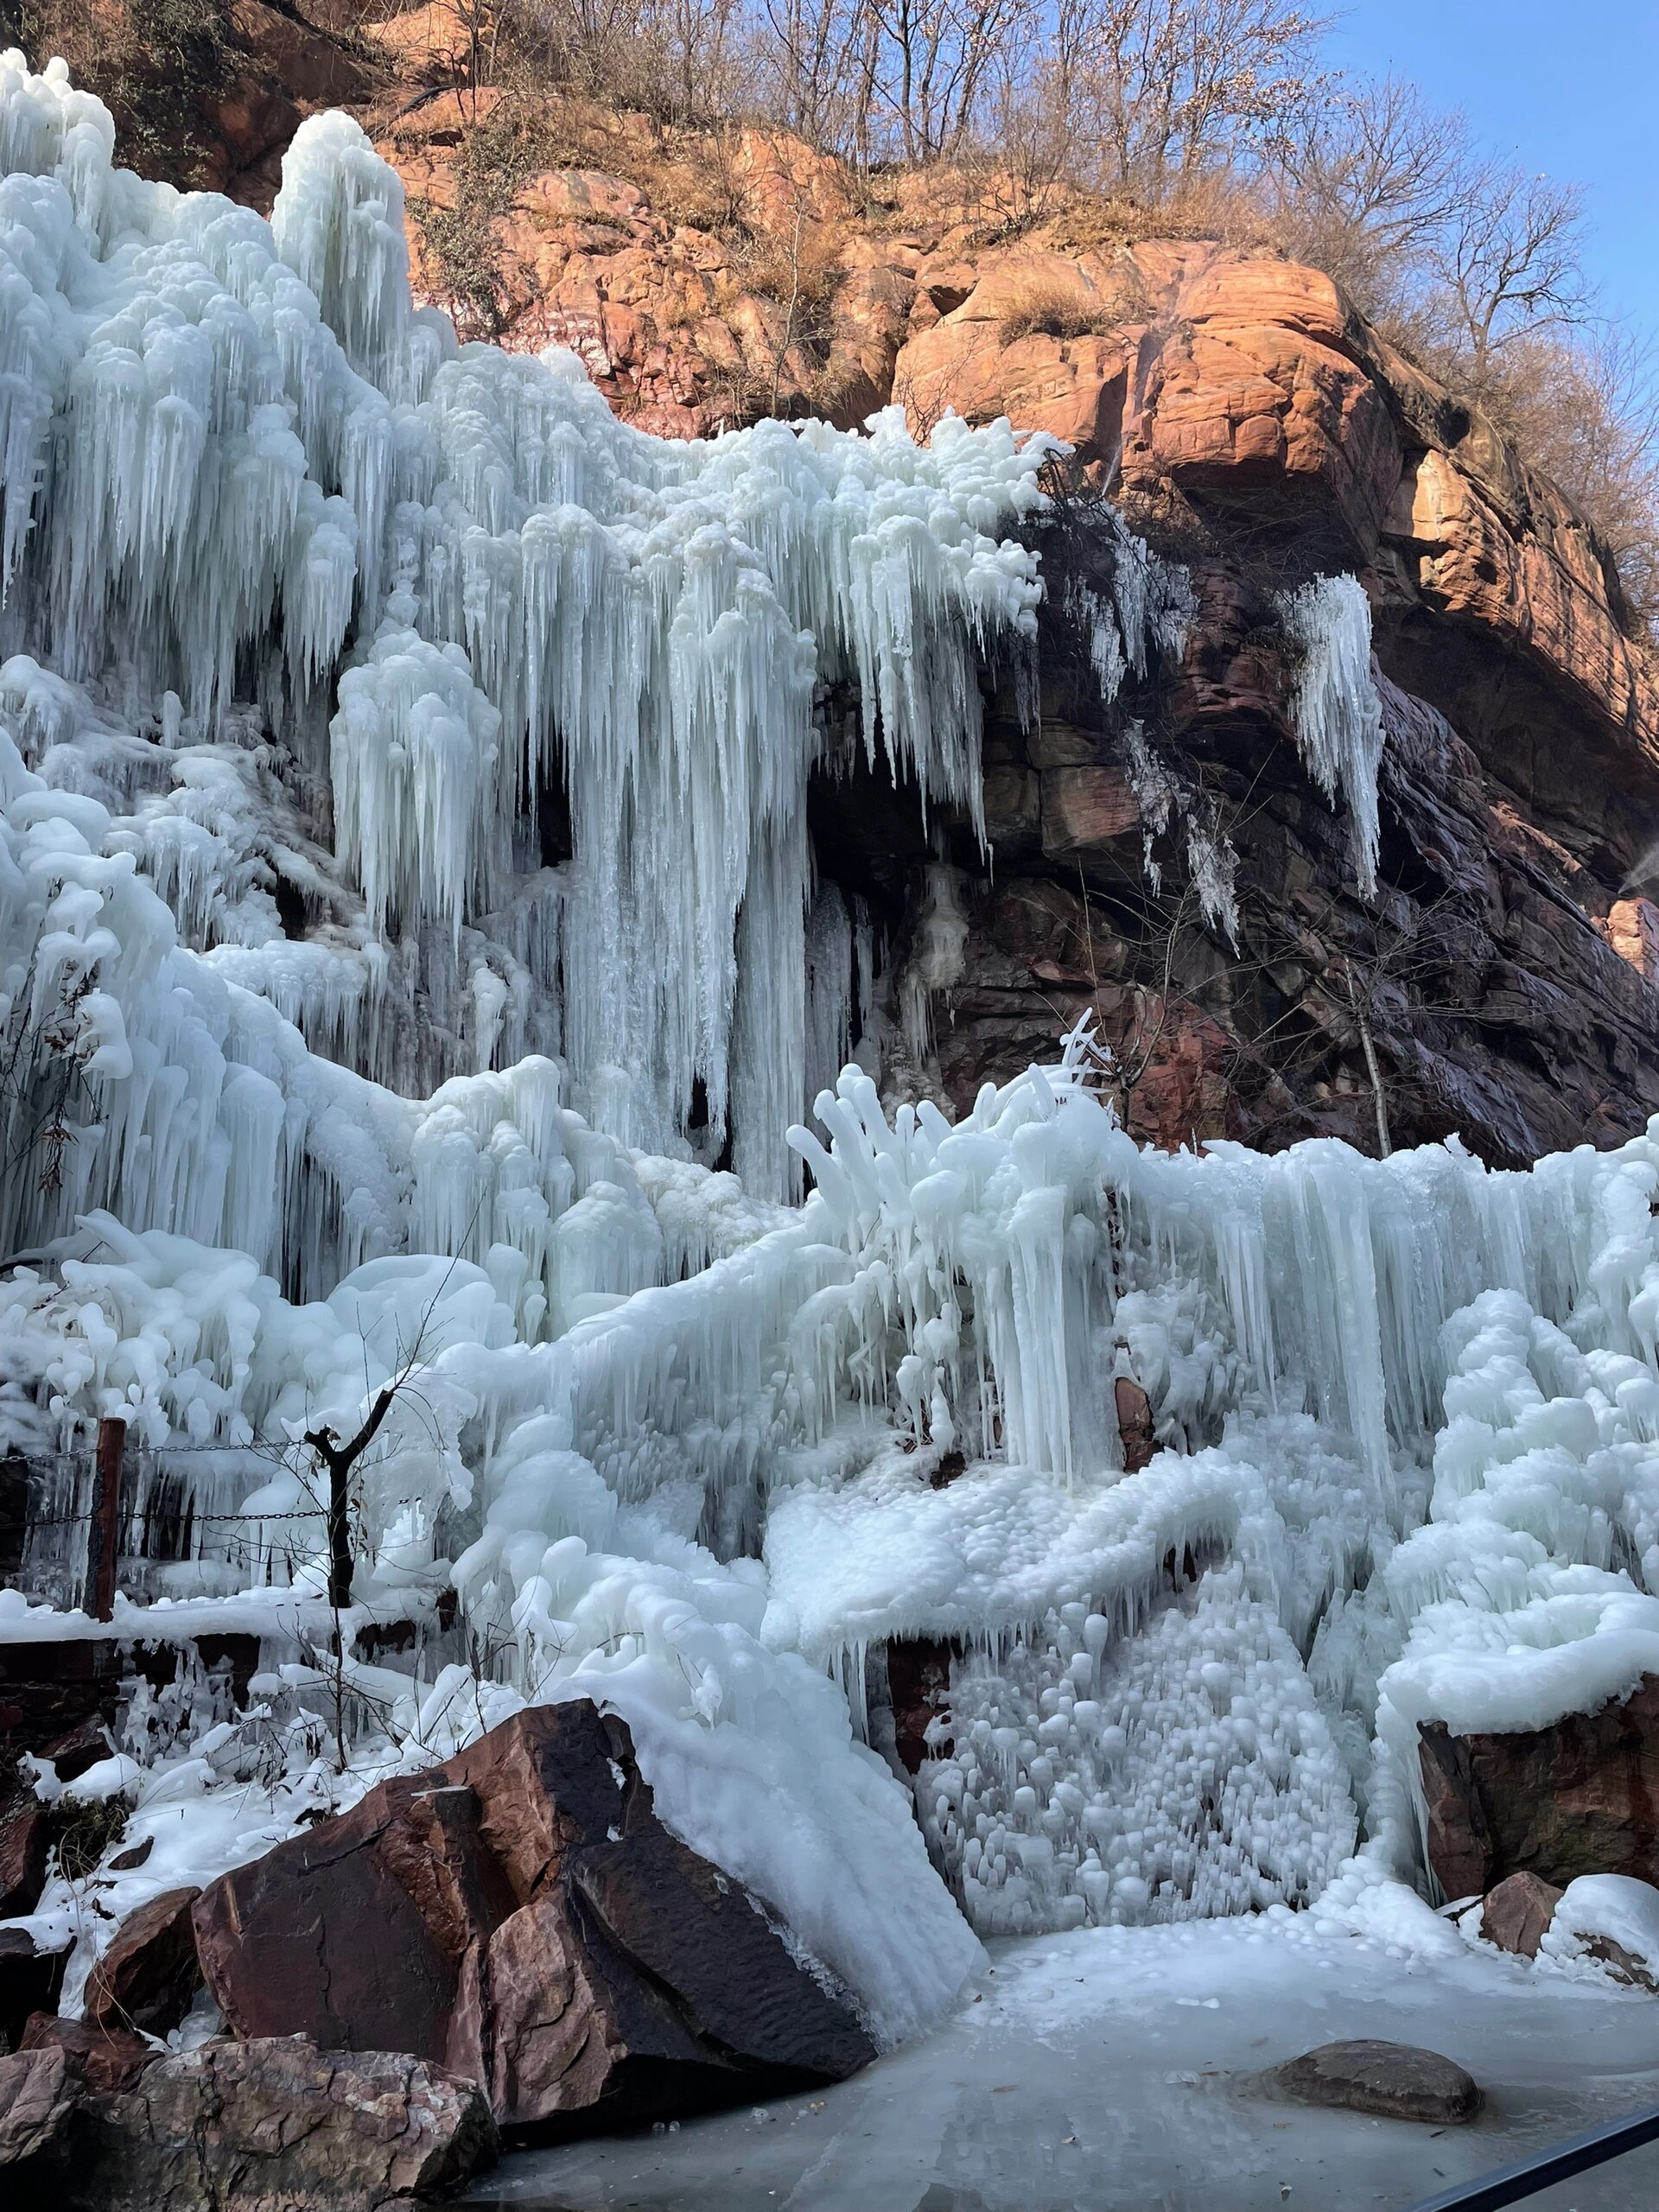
{"x":1045,"y":308}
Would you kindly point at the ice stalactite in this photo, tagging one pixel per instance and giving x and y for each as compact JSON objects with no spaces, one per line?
{"x":418,"y":818}
{"x":830,"y":990}
{"x":1140,"y":618}
{"x":1334,"y":706}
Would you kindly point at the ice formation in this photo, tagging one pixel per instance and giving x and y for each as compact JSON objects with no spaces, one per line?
{"x":294,"y":1116}
{"x":1334,"y":706}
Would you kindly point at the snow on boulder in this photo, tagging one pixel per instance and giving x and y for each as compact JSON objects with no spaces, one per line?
{"x":1573,"y":1798}
{"x":1612,"y":1919}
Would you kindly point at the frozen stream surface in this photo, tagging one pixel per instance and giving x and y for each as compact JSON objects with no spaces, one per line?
{"x":1110,"y":2068}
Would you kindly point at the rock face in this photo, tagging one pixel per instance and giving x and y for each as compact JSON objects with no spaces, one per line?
{"x":522,"y":1917}
{"x":1517,"y":1913}
{"x":1395,"y":2080}
{"x":919,"y":1690}
{"x":1580,"y":1797}
{"x":269,"y":2126}
{"x":22,"y":1847}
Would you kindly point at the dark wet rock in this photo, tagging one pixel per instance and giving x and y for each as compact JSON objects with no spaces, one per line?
{"x":1396,"y":2080}
{"x":30,"y":1979}
{"x":97,"y":2057}
{"x":24,"y":1832}
{"x":78,"y":1748}
{"x":1134,"y":1423}
{"x":919,"y":1687}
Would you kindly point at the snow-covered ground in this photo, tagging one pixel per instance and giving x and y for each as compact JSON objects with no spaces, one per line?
{"x":1111,"y":2068}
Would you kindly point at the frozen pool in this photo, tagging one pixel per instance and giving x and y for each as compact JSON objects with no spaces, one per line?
{"x":1110,"y":2068}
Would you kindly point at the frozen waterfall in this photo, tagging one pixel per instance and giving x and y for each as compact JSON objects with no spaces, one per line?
{"x":323,"y":1072}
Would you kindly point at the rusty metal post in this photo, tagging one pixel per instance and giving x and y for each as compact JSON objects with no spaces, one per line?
{"x":105,"y":1534}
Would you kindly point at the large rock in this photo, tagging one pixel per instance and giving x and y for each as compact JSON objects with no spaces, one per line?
{"x":274,"y":2126}
{"x":521,"y":1917}
{"x":23,"y":1837}
{"x":148,"y":1973}
{"x":36,"y":2099}
{"x":1396,"y":2080}
{"x":1517,"y":1914}
{"x":1579,"y":1797}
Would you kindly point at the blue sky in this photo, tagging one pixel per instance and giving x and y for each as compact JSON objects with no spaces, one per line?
{"x":1571,"y":90}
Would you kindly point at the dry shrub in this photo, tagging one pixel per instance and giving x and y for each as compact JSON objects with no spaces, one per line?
{"x":1047,"y":308}
{"x":1052,"y":311}
{"x":157,"y":64}
{"x":85,"y":1831}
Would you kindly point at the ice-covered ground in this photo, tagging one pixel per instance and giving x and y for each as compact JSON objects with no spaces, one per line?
{"x":336,"y":1063}
{"x":1111,"y":2068}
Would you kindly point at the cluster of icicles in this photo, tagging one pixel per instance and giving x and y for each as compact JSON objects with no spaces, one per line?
{"x":267,"y":534}
{"x":231,"y":453}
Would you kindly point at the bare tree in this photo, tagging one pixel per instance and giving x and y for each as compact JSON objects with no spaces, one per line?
{"x":1508,"y":261}
{"x":935,"y":61}
{"x":1583,"y":405}
{"x":1366,"y":178}
{"x":820,"y":63}
{"x":1173,"y":89}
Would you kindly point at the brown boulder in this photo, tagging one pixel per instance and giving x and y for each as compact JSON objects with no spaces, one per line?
{"x":99,"y":2058}
{"x":1516,"y":1914}
{"x":83,"y":1746}
{"x":268,"y":2127}
{"x":1579,"y":1797}
{"x":1085,"y":808}
{"x":521,"y":1916}
{"x":149,"y":1973}
{"x":1632,"y":929}
{"x":36,"y":2099}
{"x":1395,"y":2080}
{"x":582,"y":195}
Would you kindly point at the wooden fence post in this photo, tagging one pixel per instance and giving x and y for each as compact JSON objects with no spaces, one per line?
{"x":105,"y":1534}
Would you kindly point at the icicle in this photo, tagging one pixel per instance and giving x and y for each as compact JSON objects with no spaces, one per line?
{"x":1334,"y":707}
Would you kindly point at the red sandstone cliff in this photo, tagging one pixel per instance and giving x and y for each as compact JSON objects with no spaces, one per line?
{"x":1259,"y":429}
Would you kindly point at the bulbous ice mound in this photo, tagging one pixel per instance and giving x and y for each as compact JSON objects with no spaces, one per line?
{"x":307,"y":613}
